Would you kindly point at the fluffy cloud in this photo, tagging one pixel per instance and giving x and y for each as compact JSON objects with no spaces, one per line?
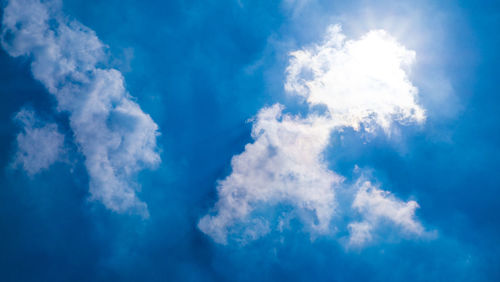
{"x":284,"y":165}
{"x":116,"y":137}
{"x":375,"y":206}
{"x":39,"y":144}
{"x":363,"y":84}
{"x":360,"y":81}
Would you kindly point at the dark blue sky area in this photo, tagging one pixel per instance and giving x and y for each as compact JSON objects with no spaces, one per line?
{"x":201,"y":69}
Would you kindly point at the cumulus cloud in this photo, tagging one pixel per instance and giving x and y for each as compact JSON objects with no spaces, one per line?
{"x":39,"y":144}
{"x":363,"y":84}
{"x":283,"y":165}
{"x":360,"y":81}
{"x":116,"y":137}
{"x":375,"y":206}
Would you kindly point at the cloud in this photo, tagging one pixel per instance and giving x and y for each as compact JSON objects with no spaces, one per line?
{"x":375,"y":206}
{"x":283,"y":165}
{"x":362,"y":82}
{"x":116,"y":137}
{"x":364,"y":85}
{"x":39,"y":145}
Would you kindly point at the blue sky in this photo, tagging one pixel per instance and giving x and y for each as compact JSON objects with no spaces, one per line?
{"x":144,"y":141}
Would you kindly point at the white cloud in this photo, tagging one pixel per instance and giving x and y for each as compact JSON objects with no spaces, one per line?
{"x":283,"y":166}
{"x":375,"y":206}
{"x":116,"y":137}
{"x":361,"y":82}
{"x":39,"y":145}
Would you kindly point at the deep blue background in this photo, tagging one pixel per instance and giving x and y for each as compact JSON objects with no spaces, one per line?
{"x":202,"y":69}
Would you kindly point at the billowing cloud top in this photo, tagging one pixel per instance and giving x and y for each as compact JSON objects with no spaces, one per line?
{"x":360,"y":81}
{"x":116,"y":137}
{"x":283,"y":173}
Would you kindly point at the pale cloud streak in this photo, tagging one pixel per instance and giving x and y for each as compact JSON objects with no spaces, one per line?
{"x":364,"y":85}
{"x":116,"y":137}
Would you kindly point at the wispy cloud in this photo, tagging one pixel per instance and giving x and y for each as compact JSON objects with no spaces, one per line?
{"x":39,"y":144}
{"x":364,"y":85}
{"x":116,"y":137}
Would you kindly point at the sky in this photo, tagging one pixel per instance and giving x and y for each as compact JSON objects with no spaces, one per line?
{"x":294,"y":140}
